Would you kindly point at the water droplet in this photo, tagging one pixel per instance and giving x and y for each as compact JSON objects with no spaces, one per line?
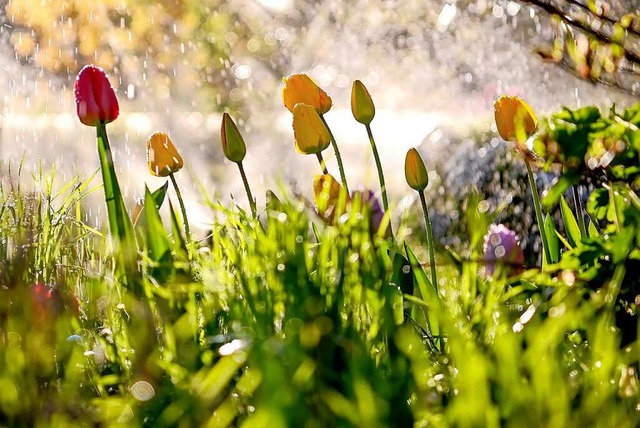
{"x":142,"y":390}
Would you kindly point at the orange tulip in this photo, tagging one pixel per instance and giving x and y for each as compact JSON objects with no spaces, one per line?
{"x":329,"y":196}
{"x":162,"y":155}
{"x":310,"y":132}
{"x":514,"y":117}
{"x":415,"y":171}
{"x":299,"y":88}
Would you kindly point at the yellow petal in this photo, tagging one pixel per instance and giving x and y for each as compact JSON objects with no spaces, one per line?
{"x":311,"y":134}
{"x":299,"y":88}
{"x":329,"y":196}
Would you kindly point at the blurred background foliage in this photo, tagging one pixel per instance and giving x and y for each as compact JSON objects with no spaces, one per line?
{"x":132,"y":39}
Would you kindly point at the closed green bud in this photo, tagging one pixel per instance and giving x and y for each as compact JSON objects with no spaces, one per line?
{"x":415,"y":171}
{"x":361,"y":103}
{"x":232,"y":142}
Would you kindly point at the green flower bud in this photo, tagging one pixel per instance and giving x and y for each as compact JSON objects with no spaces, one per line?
{"x":361,"y":103}
{"x":232,"y":142}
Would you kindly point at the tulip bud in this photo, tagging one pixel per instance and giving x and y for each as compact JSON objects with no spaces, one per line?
{"x":514,"y":117}
{"x":232,"y":142}
{"x":96,"y":102}
{"x":501,"y":246}
{"x":299,"y":88}
{"x":329,"y":196}
{"x":415,"y":171}
{"x":310,"y":132}
{"x":361,"y":103}
{"x":162,"y":155}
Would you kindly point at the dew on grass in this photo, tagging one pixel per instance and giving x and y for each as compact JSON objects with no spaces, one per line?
{"x":233,"y":347}
{"x":74,"y":338}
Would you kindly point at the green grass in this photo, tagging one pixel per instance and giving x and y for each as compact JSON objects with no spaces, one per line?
{"x":287,"y":321}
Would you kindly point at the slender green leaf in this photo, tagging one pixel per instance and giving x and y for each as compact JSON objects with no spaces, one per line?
{"x":570,"y":223}
{"x":552,"y":239}
{"x":159,"y":194}
{"x":157,"y":241}
{"x":426,"y":291}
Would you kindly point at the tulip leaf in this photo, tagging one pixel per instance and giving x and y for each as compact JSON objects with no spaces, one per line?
{"x":159,"y":194}
{"x":593,"y":230}
{"x":157,"y":241}
{"x":552,"y":239}
{"x":401,"y":281}
{"x":425,"y":291}
{"x":570,"y":223}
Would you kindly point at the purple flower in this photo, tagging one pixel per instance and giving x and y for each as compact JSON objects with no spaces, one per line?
{"x":501,"y":245}
{"x":376,"y":213}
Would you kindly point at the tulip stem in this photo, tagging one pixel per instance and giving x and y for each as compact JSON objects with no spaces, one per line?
{"x":578,"y":204}
{"x":338,"y":157}
{"x":383,"y":186}
{"x":252,"y":202}
{"x":182,"y":208}
{"x":322,"y":164}
{"x":432,"y":254}
{"x":536,"y":206}
{"x":120,"y":224}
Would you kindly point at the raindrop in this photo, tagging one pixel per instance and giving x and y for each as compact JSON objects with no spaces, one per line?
{"x":142,"y":391}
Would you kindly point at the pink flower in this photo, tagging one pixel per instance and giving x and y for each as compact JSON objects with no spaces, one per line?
{"x":502,"y":248}
{"x":96,"y":101}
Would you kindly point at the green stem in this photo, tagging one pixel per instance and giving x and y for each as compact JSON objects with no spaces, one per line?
{"x":376,"y":157}
{"x":182,"y":208}
{"x":338,"y":157}
{"x":612,"y":198}
{"x":120,"y":225}
{"x":578,"y":203}
{"x":252,"y":202}
{"x":383,"y":186}
{"x":536,"y":206}
{"x":322,"y":164}
{"x":432,"y":253}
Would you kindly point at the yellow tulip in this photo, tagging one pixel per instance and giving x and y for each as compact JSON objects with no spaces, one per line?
{"x":162,"y":155}
{"x":232,"y":142}
{"x":329,"y":196}
{"x":361,"y":103}
{"x":299,"y":88}
{"x":415,"y":171}
{"x":514,"y":118}
{"x":310,"y":132}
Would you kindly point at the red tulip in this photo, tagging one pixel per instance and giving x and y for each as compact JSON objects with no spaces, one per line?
{"x":96,"y":101}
